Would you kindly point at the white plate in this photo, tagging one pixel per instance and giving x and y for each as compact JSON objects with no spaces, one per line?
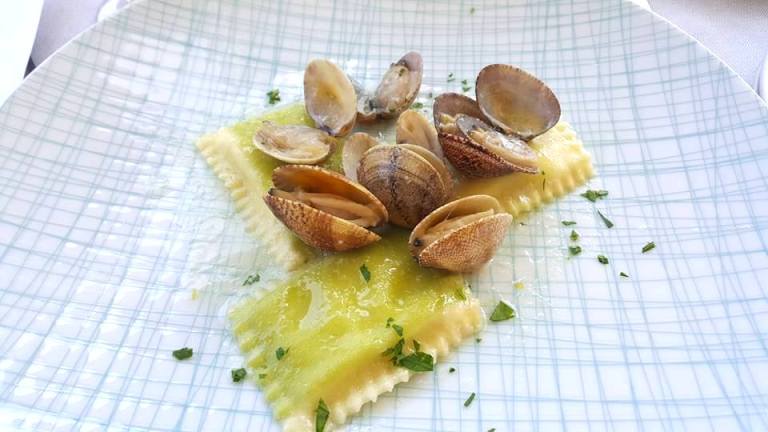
{"x":110,"y":219}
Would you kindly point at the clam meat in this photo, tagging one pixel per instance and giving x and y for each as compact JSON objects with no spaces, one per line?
{"x":294,"y":144}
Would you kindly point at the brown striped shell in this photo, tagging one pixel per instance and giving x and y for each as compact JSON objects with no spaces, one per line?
{"x":460,"y":236}
{"x":409,"y":180}
{"x":324,"y":208}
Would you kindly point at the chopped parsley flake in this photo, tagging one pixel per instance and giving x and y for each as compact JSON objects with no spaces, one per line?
{"x":606,"y":221}
{"x":365,"y":272}
{"x":469,"y":400}
{"x":472,"y":10}
{"x":321,"y":416}
{"x":416,"y":345}
{"x":460,"y":294}
{"x":568,"y":223}
{"x":274,"y":96}
{"x":451,"y":77}
{"x":478,"y":340}
{"x":262,"y":376}
{"x":465,"y":87}
{"x":398,"y":329}
{"x":390,"y":320}
{"x":622,"y":274}
{"x":595,"y":195}
{"x":252,"y":279}
{"x":238,"y":374}
{"x":574,"y":250}
{"x":183,"y":353}
{"x":395,"y":351}
{"x":417,"y":362}
{"x":281,"y":352}
{"x":451,"y":370}
{"x":603,"y":259}
{"x":503,"y":312}
{"x":574,"y":235}
{"x":648,"y":247}
{"x":492,"y":430}
{"x":417,"y":105}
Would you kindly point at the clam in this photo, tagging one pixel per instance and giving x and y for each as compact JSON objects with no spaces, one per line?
{"x":409,"y":180}
{"x":354,"y":148}
{"x":473,"y":146}
{"x":294,"y":144}
{"x":396,"y":91}
{"x":460,"y":236}
{"x":414,"y":128}
{"x":515,"y":101}
{"x":323,"y":208}
{"x":329,"y":97}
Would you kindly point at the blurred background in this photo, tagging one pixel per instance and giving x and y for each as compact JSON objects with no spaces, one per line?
{"x":735,"y":30}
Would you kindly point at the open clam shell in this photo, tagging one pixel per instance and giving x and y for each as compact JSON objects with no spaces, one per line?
{"x":414,"y":128}
{"x":323,"y":208}
{"x":397,"y":90}
{"x":460,"y":236}
{"x":354,"y":148}
{"x":408,"y":184}
{"x":294,"y":144}
{"x":516,"y":101}
{"x":478,"y":151}
{"x":329,"y":97}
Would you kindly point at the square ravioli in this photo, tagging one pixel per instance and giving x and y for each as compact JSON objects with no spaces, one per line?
{"x":326,"y":333}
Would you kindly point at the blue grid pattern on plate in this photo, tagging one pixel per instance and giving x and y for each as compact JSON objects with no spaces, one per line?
{"x":109,"y":220}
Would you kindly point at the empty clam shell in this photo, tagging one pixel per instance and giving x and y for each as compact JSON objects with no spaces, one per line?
{"x":396,"y":91}
{"x":414,"y":128}
{"x":409,"y":185}
{"x":516,"y":101}
{"x":354,"y":148}
{"x":460,"y":236}
{"x":329,"y":97}
{"x":293,"y":143}
{"x":323,"y":208}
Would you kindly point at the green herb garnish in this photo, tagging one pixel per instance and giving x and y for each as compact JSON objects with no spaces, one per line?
{"x":503,"y":312}
{"x":321,"y":416}
{"x":574,"y":235}
{"x":478,"y":340}
{"x":450,"y":77}
{"x":465,"y":87}
{"x":390,"y":320}
{"x":606,"y":221}
{"x":595,"y":195}
{"x":622,"y":274}
{"x":469,"y":400}
{"x":417,"y":362}
{"x":472,"y":10}
{"x":398,"y":329}
{"x":262,"y":376}
{"x":568,"y":223}
{"x":274,"y":96}
{"x":574,"y":250}
{"x":460,"y":294}
{"x":238,"y":374}
{"x":648,"y":246}
{"x":252,"y":279}
{"x":603,"y":259}
{"x":416,"y":345}
{"x":280,"y":353}
{"x":417,"y":105}
{"x":365,"y":272}
{"x":492,"y":430}
{"x":395,"y":351}
{"x":183,"y":353}
{"x":451,"y":370}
